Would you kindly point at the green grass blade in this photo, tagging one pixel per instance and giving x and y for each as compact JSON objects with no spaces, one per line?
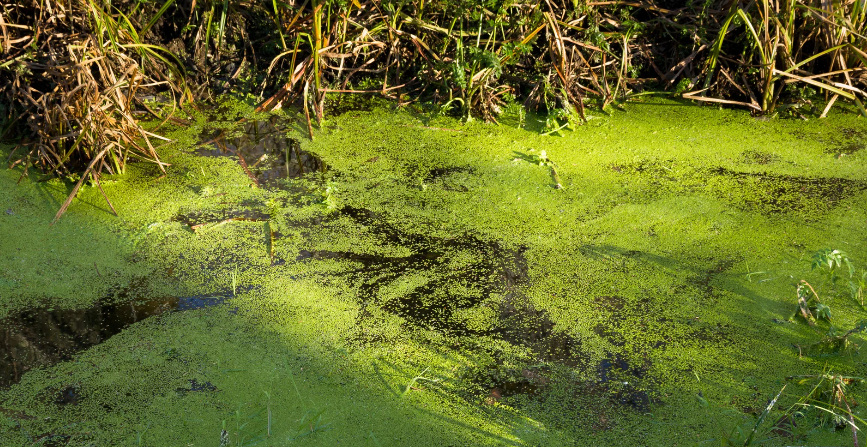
{"x":223,"y":22}
{"x":157,"y":16}
{"x":755,"y":35}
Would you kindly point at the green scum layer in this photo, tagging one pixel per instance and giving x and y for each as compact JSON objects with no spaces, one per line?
{"x":435,"y":287}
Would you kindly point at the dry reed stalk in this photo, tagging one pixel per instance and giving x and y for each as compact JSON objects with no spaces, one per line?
{"x":76,"y":89}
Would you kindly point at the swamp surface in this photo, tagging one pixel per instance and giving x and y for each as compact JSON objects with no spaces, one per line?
{"x":407,"y":279}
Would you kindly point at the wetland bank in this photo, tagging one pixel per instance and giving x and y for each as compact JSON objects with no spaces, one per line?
{"x":411,"y":279}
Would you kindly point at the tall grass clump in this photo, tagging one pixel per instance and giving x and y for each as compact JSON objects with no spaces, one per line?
{"x":71,"y":72}
{"x":766,"y":48}
{"x":71,"y":75}
{"x":472,"y":57}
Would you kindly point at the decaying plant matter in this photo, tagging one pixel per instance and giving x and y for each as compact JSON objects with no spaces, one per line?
{"x":70,"y":78}
{"x":766,"y":56}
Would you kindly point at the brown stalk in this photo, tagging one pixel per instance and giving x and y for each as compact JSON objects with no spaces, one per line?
{"x":692,"y":95}
{"x":307,"y":110}
{"x":99,"y":185}
{"x":77,"y":186}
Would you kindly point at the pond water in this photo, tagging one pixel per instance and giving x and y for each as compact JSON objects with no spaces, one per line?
{"x":405,"y":279}
{"x":264,"y":150}
{"x":43,"y":336}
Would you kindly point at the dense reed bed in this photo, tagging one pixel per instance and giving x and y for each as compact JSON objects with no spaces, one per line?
{"x":75,"y":74}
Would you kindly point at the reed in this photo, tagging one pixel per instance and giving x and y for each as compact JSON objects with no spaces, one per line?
{"x":71,"y":80}
{"x":554,"y":56}
{"x":72,"y":72}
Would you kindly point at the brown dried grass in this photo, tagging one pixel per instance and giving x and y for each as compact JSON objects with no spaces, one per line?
{"x":71,"y":78}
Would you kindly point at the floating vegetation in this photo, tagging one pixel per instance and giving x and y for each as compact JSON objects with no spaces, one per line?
{"x":766,"y":192}
{"x":772,"y":193}
{"x":478,"y":297}
{"x":431,"y":286}
{"x":435,"y":289}
{"x":759,"y":158}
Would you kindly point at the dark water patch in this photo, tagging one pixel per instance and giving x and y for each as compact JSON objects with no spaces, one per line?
{"x":614,"y":383}
{"x":846,"y":149}
{"x":853,"y":133}
{"x":264,"y":150}
{"x":611,"y":303}
{"x":433,"y":289}
{"x":196,"y":387}
{"x":853,"y":140}
{"x":44,"y":336}
{"x":844,"y":142}
{"x":757,"y":157}
{"x":773,"y":193}
{"x":450,"y":178}
{"x":703,"y":281}
{"x":715,"y":334}
{"x":197,"y":219}
{"x":520,"y":323}
{"x":606,"y":332}
{"x":68,"y":395}
{"x":443,"y":172}
{"x":764,"y":192}
{"x":621,"y":377}
{"x":661,"y":169}
{"x":201,"y":301}
{"x":499,"y":385}
{"x":523,"y":325}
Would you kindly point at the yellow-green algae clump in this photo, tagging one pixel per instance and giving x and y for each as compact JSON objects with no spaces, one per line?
{"x":434,"y":287}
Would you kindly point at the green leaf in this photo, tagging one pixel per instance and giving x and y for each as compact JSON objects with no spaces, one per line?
{"x":823,"y":311}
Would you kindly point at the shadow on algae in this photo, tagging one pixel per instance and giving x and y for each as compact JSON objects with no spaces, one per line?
{"x":43,"y":336}
{"x":345,"y":314}
{"x":38,"y":337}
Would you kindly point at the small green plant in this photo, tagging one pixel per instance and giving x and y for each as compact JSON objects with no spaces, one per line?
{"x":750,"y":431}
{"x":330,"y":200}
{"x":268,"y":407}
{"x":831,"y":262}
{"x":835,"y":341}
{"x":557,"y":120}
{"x":857,"y":287}
{"x":243,"y":433}
{"x":835,"y":264}
{"x":411,"y":385}
{"x":811,"y":308}
{"x":139,"y":435}
{"x":542,"y":160}
{"x":829,"y":399}
{"x":808,"y":302}
{"x":310,"y":423}
{"x":826,"y":404}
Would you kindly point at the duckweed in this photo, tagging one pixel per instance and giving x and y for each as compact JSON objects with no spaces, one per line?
{"x":432,"y":287}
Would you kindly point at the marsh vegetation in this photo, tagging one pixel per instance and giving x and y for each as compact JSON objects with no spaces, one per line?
{"x":433,"y":223}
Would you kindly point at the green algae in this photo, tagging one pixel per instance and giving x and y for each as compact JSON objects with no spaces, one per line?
{"x":537,"y":316}
{"x":73,"y":260}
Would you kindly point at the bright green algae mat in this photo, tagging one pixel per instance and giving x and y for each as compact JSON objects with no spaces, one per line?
{"x":435,"y":288}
